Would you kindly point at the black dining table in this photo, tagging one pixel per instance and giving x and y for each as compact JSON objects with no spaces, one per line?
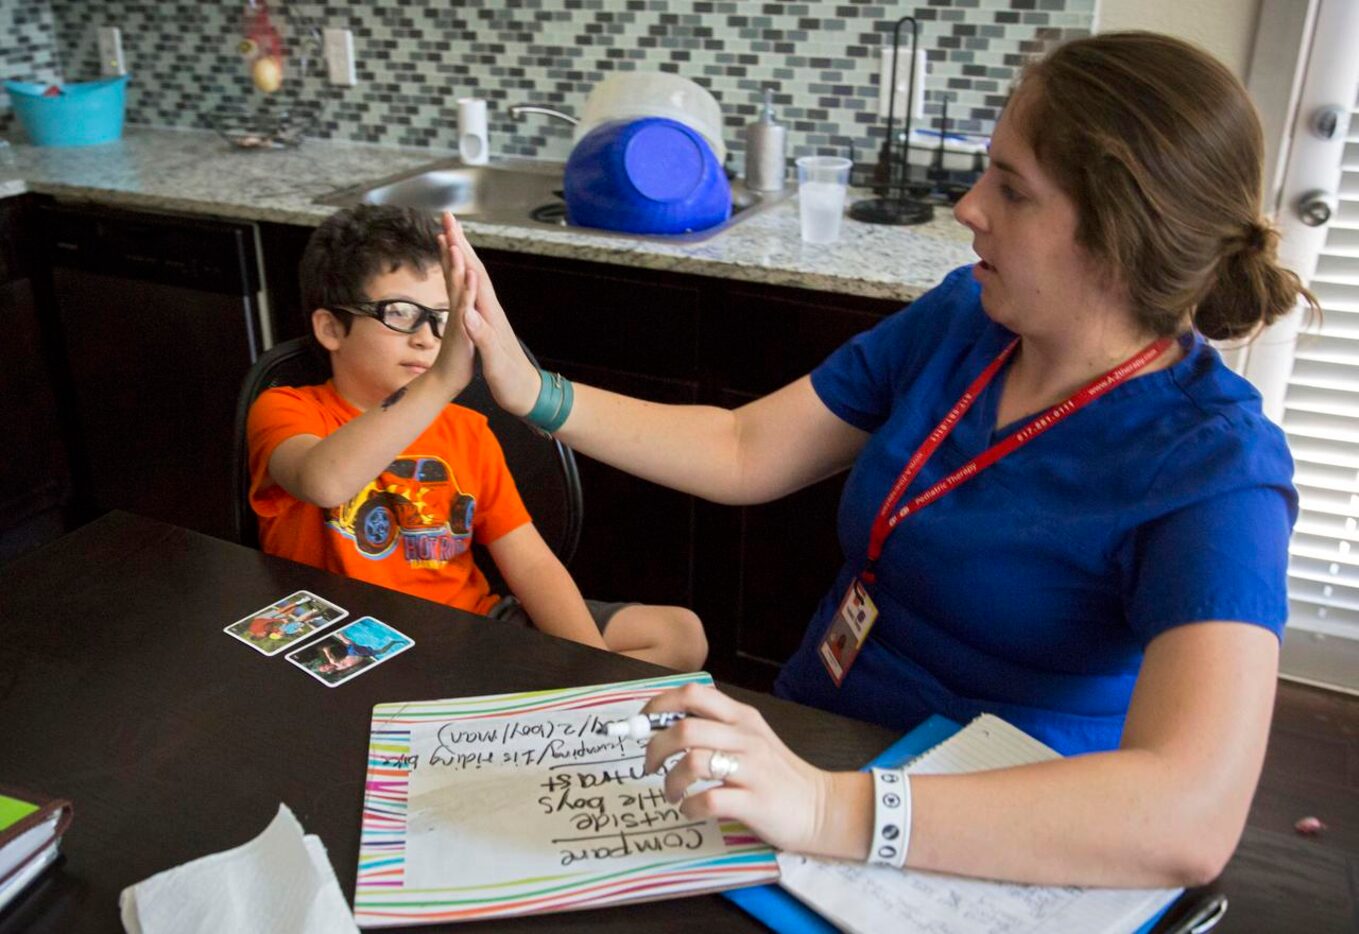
{"x":120,"y":691}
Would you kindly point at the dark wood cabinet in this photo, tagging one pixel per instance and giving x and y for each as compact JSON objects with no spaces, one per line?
{"x":764,"y":568}
{"x":638,"y":539}
{"x":281,"y":247}
{"x":636,"y":335}
{"x":759,"y":338}
{"x":34,"y":472}
{"x":158,"y":327}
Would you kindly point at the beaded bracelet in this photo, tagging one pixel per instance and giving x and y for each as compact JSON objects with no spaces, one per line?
{"x":553,"y":405}
{"x":891,"y":818}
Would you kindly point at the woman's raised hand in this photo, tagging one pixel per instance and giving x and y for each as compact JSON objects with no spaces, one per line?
{"x":764,"y":785}
{"x":454,"y":361}
{"x":513,"y":379}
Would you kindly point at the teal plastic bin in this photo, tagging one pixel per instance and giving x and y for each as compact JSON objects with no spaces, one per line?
{"x":83,"y":114}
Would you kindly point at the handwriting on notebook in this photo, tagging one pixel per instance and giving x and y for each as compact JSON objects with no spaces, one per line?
{"x":561,"y":793}
{"x":593,"y":793}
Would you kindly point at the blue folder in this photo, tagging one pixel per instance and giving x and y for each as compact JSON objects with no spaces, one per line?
{"x":780,"y":911}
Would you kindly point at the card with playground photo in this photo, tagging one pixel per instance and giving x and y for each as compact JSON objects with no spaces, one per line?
{"x":357,"y":647}
{"x":286,"y":622}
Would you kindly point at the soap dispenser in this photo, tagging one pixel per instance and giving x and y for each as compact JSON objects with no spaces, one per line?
{"x":766,"y":149}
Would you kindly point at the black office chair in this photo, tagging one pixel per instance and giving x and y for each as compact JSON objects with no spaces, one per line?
{"x":543,"y":468}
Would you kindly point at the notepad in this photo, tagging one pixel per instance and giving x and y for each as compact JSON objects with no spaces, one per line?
{"x":511,"y":804}
{"x":861,"y":898}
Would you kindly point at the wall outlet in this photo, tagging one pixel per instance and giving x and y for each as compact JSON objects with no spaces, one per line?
{"x":339,"y":46}
{"x":111,"y":61}
{"x":903,"y":83}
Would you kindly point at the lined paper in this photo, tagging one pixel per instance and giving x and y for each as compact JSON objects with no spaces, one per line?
{"x":861,"y":898}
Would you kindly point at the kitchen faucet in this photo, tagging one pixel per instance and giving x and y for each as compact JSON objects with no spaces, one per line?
{"x":518,"y":110}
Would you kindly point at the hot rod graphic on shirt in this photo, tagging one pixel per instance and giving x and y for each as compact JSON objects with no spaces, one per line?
{"x":414,"y":503}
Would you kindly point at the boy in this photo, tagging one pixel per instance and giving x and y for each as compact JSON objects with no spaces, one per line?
{"x":376,"y":475}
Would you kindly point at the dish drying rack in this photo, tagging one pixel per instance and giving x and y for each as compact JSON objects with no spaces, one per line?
{"x":282,"y":119}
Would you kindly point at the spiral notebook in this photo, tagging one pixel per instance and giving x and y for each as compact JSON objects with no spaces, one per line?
{"x":481,"y":807}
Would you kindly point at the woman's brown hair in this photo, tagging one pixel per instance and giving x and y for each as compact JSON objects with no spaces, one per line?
{"x":1161,"y":149}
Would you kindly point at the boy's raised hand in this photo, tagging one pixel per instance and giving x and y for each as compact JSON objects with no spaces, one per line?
{"x":513,"y":378}
{"x":456,"y":351}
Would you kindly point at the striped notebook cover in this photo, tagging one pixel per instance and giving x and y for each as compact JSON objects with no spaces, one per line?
{"x":482,"y":807}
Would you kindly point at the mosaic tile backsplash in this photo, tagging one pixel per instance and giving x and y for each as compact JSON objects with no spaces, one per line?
{"x":416,"y":57}
{"x":28,"y":47}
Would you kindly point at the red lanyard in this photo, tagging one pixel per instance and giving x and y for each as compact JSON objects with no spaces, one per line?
{"x":887,"y":520}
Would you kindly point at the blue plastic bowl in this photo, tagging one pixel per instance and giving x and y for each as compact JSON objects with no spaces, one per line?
{"x":83,"y":114}
{"x":653,"y":176}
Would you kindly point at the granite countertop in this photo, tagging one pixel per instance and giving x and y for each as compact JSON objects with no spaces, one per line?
{"x":196,"y":172}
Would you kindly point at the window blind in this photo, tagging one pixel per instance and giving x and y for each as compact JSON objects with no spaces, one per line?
{"x":1321,"y":419}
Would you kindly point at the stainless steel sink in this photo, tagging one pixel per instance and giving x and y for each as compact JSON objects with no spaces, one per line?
{"x":521,"y":193}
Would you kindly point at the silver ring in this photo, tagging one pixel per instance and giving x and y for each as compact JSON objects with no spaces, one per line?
{"x":722,"y":766}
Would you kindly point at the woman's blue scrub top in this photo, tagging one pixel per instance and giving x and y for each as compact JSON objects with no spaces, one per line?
{"x":1032,"y":590}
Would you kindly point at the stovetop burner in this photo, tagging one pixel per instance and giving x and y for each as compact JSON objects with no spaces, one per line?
{"x":553,"y":212}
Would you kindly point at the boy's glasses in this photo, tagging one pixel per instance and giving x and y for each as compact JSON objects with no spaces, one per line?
{"x":401,"y":314}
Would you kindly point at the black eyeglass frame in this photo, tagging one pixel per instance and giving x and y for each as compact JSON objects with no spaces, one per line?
{"x":437,"y":317}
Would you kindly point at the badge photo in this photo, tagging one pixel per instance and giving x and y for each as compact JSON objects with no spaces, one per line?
{"x":848,"y":631}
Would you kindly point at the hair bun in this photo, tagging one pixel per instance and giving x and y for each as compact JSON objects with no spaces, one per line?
{"x":1257,"y":237}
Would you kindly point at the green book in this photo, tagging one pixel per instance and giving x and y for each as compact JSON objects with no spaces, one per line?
{"x":13,"y":810}
{"x":31,"y":826}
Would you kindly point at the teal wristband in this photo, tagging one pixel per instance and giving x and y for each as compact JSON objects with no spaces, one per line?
{"x":568,"y":397}
{"x":553,"y":405}
{"x":548,"y":401}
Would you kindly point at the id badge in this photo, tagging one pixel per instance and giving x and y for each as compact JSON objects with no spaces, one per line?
{"x":848,"y":631}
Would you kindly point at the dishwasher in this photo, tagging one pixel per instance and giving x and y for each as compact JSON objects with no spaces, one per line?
{"x":160,"y":320}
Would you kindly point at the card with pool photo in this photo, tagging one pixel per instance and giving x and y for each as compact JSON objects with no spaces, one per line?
{"x":350,"y":651}
{"x":284,"y":623}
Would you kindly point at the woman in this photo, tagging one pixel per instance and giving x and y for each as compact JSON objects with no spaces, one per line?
{"x":1092,"y":537}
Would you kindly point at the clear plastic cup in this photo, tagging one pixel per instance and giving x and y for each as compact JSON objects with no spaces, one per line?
{"x":821,"y":185}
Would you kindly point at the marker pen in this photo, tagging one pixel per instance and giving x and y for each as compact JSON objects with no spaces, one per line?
{"x":641,"y":725}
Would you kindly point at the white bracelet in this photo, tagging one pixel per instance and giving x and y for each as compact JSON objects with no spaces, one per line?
{"x":891,"y":818}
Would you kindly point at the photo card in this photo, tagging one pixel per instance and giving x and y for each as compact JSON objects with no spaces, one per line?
{"x":350,"y":651}
{"x":286,"y":622}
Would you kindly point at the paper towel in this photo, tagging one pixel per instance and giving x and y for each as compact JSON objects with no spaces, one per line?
{"x":280,"y":881}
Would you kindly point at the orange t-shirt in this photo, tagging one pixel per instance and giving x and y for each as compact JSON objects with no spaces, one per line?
{"x":406,"y":529}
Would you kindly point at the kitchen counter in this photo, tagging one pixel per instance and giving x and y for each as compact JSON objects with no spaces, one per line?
{"x":195,"y":172}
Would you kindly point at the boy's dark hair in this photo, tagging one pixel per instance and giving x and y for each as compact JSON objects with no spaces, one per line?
{"x":356,"y":244}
